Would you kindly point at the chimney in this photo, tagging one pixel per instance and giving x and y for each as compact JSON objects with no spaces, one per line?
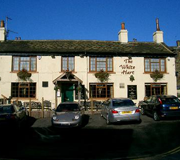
{"x":123,"y":34}
{"x":178,"y":43}
{"x":158,"y":35}
{"x":2,"y":31}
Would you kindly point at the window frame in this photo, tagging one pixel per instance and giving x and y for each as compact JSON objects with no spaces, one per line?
{"x":156,"y":86}
{"x":96,"y":90}
{"x":150,"y":64}
{"x":62,"y":70}
{"x":96,"y":61}
{"x":20,"y":61}
{"x":19,"y":87}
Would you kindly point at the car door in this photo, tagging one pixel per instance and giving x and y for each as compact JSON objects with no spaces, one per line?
{"x":145,"y":105}
{"x":152,"y":104}
{"x":107,"y":104}
{"x":103,"y":109}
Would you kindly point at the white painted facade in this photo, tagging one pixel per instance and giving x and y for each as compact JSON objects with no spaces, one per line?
{"x":49,"y":68}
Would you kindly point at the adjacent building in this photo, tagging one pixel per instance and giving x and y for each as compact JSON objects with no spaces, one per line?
{"x":64,"y":70}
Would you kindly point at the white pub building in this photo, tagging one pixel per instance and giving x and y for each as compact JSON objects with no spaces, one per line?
{"x":60,"y":69}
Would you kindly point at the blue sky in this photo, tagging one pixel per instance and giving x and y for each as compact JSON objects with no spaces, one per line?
{"x":91,"y":19}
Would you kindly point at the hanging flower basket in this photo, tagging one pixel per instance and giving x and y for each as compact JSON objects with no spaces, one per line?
{"x":24,"y":75}
{"x":156,"y":75}
{"x":102,"y":76}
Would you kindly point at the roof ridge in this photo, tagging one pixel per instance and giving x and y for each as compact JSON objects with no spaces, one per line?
{"x":166,"y":47}
{"x":60,"y":40}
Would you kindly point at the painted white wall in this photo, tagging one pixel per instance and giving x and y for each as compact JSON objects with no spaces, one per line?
{"x":49,"y":68}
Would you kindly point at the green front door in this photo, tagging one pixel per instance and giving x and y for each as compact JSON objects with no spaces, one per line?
{"x":67,"y":92}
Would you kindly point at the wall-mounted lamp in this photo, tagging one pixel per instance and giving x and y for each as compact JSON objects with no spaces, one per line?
{"x":129,"y":57}
{"x":39,"y":57}
{"x":81,"y":55}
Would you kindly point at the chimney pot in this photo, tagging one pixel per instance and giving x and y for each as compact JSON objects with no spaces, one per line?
{"x":2,"y":23}
{"x":123,"y":26}
{"x":158,"y":35}
{"x":134,"y":40}
{"x":157,"y":24}
{"x":19,"y":38}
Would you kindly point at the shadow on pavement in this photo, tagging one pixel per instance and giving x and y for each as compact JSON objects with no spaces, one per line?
{"x":30,"y":121}
{"x":85,"y":120}
{"x":46,"y":143}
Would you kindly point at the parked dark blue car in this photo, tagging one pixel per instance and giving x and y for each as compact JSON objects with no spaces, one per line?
{"x":161,"y":106}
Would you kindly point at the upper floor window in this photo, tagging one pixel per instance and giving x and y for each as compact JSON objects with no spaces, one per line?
{"x":101,"y":63}
{"x":28,"y":63}
{"x":152,"y":64}
{"x":67,"y":63}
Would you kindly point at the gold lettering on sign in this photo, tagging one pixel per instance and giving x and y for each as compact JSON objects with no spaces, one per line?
{"x":126,"y":67}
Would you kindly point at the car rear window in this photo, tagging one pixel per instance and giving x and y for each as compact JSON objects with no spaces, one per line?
{"x":122,"y":103}
{"x":170,"y":100}
{"x":7,"y":109}
{"x":67,"y":107}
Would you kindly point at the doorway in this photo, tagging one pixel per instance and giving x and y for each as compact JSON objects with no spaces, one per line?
{"x":67,"y":92}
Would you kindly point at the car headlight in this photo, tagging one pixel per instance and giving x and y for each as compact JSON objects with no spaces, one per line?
{"x":55,"y":118}
{"x":76,"y":117}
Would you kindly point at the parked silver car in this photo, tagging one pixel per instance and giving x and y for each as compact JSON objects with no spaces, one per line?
{"x":120,"y":109}
{"x":12,"y":115}
{"x":67,"y":114}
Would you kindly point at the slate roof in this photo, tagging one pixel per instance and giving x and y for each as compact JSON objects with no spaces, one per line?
{"x":82,"y":46}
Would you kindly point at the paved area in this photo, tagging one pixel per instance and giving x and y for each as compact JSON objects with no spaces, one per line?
{"x":140,"y":139}
{"x":95,"y":140}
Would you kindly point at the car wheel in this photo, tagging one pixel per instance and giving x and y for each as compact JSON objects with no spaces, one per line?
{"x":156,"y":116}
{"x":107,"y":120}
{"x":142,"y":111}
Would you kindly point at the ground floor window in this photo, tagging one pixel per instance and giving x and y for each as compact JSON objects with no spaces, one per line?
{"x":23,"y":90}
{"x":155,"y":89}
{"x":101,"y":90}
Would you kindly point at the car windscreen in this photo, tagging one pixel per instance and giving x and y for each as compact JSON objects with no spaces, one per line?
{"x":122,"y":103}
{"x":170,"y":100}
{"x":67,"y":107}
{"x":7,"y":109}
